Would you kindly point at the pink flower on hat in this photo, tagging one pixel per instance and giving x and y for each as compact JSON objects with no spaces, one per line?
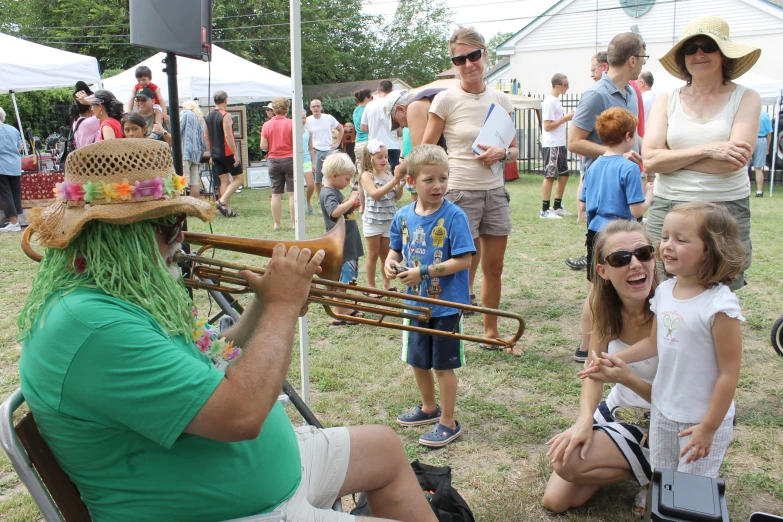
{"x":75,"y":192}
{"x":150,"y":187}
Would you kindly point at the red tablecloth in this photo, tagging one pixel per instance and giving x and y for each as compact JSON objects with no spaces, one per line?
{"x":38,"y":188}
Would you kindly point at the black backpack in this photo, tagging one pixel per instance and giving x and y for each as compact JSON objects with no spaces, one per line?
{"x":435,"y":482}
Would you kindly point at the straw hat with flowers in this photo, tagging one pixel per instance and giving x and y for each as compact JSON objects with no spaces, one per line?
{"x":744,"y":56}
{"x":115,"y":181}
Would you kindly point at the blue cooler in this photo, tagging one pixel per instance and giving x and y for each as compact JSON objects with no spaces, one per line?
{"x":676,"y":497}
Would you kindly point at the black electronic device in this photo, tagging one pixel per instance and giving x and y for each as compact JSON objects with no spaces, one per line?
{"x":183,"y":27}
{"x":678,"y":497}
{"x":764,"y":517}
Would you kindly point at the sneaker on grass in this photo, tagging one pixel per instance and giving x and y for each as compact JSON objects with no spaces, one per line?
{"x":440,"y":435}
{"x":576,"y":263}
{"x":580,"y":355}
{"x":562,"y":212}
{"x":11,"y":227}
{"x":417,"y":417}
{"x":548,"y":214}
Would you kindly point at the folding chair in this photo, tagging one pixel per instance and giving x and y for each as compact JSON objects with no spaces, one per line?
{"x":51,"y":488}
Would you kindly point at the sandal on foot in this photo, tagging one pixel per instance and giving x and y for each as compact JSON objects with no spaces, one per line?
{"x":440,"y":435}
{"x":222,"y":208}
{"x":357,"y":313}
{"x":417,"y":417}
{"x":490,"y":347}
{"x":338,"y":322}
{"x":515,"y":350}
{"x":473,"y":302}
{"x":232,"y":214}
{"x":373,"y":296}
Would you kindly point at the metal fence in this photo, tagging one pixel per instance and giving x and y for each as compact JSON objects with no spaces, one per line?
{"x":529,"y":135}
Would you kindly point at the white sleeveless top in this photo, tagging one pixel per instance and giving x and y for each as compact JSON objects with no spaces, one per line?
{"x":645,"y":370}
{"x":684,"y":132}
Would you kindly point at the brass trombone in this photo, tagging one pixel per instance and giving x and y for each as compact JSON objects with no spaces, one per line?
{"x":222,"y":276}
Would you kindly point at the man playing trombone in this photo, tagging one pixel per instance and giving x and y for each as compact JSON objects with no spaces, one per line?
{"x":150,"y":413}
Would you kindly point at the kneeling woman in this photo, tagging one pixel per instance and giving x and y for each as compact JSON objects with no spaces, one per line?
{"x":597,"y":450}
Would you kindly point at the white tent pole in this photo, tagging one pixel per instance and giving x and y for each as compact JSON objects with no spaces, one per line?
{"x":775,"y":144}
{"x":19,"y":122}
{"x":299,"y":191}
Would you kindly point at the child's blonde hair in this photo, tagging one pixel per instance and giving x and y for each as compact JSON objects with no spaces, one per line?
{"x":339,"y":163}
{"x":424,"y":155}
{"x":366,"y":160}
{"x":724,"y":255}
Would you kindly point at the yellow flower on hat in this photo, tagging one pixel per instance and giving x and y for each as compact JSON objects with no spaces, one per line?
{"x":179,"y":182}
{"x":109,"y":191}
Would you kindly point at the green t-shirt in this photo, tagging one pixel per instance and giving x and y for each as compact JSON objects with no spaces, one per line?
{"x":112,"y":394}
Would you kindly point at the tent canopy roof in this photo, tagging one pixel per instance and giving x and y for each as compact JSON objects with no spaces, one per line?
{"x":28,"y":66}
{"x":244,"y":81}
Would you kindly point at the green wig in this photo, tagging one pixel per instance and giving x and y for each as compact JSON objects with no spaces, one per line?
{"x":122,"y":261}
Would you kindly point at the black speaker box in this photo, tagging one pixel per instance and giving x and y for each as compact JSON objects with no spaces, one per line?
{"x":183,"y":27}
{"x":679,"y":497}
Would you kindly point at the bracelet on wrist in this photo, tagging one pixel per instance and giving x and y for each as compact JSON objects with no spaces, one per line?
{"x":424,"y":272}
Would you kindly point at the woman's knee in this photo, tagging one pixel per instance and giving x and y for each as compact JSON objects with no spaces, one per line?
{"x":569,"y":472}
{"x":555,"y":501}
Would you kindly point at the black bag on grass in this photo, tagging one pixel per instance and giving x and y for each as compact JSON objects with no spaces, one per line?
{"x":446,"y":503}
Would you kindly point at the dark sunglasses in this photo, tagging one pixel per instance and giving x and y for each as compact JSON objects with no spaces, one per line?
{"x":565,"y":85}
{"x":622,"y":258}
{"x":473,"y":57}
{"x":171,"y":231}
{"x":707,"y":47}
{"x":141,"y":99}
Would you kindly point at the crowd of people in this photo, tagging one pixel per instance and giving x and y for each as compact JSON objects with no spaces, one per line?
{"x":143,"y":383}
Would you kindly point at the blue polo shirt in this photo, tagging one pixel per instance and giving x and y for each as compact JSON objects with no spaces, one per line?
{"x":602,"y":95}
{"x":765,"y":125}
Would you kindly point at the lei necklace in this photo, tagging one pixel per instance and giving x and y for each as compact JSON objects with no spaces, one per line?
{"x":205,"y":337}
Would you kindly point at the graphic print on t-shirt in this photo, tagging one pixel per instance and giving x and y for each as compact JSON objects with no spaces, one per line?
{"x":672,"y":321}
{"x":438,"y":234}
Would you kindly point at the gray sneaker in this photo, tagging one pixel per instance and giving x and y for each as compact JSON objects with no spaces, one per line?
{"x":576,"y":263}
{"x":562,"y":212}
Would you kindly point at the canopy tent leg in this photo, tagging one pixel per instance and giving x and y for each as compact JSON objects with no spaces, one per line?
{"x":19,"y":122}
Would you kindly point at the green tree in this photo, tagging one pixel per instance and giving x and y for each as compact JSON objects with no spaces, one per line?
{"x":416,"y":44}
{"x":493,"y":44}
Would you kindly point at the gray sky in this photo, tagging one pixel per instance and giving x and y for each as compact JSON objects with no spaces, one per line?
{"x":488,"y":16}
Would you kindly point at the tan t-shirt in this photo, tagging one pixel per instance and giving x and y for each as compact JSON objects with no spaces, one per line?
{"x":464,"y":116}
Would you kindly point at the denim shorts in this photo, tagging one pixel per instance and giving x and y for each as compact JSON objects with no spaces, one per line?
{"x":350,"y":271}
{"x":434,"y":352}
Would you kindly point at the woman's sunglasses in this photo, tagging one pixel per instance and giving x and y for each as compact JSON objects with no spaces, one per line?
{"x":473,"y":57}
{"x":707,"y":47}
{"x":622,"y":258}
{"x":171,"y":231}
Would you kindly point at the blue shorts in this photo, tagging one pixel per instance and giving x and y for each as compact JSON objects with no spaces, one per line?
{"x":759,"y":158}
{"x":350,"y":271}
{"x":433,"y":351}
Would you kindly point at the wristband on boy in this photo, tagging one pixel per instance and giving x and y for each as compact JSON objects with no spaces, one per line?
{"x":424,"y":271}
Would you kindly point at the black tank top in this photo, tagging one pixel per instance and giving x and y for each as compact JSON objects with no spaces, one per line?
{"x":217,"y":138}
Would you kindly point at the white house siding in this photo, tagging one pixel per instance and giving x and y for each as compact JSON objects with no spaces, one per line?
{"x":565,"y":42}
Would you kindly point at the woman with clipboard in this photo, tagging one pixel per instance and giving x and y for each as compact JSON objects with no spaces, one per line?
{"x":459,"y":114}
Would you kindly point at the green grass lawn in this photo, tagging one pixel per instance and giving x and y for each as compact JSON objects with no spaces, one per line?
{"x":508,"y":406}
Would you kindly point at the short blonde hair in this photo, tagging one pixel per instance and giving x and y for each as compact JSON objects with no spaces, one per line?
{"x":339,"y":163}
{"x":191,"y":105}
{"x":425,"y":155}
{"x":280,"y":106}
{"x":466,"y":36}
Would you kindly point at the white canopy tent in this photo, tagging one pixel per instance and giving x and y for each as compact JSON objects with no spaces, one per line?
{"x":244,"y":81}
{"x":768,"y":88}
{"x":27,"y":66}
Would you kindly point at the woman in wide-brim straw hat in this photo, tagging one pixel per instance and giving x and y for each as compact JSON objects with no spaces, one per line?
{"x":700,"y":137}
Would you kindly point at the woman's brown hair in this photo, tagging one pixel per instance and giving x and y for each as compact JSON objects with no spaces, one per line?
{"x":723,"y":252}
{"x":605,"y":305}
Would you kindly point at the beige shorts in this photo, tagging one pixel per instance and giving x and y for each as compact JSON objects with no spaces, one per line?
{"x":325,"y":455}
{"x":190,"y":170}
{"x":488,"y":211}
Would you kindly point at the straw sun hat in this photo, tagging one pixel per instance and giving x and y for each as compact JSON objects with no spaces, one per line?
{"x":115,"y":181}
{"x":744,"y":56}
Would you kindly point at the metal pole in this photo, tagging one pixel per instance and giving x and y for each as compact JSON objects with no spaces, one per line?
{"x":19,"y":122}
{"x":775,"y":145}
{"x":299,"y":191}
{"x":176,"y":138}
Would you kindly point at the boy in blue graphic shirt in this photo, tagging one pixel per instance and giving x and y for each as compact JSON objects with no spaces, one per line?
{"x":431,"y":240}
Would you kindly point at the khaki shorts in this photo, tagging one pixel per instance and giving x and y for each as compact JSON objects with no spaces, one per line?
{"x":488,"y":211}
{"x":325,"y":455}
{"x":191,"y":171}
{"x":739,"y":209}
